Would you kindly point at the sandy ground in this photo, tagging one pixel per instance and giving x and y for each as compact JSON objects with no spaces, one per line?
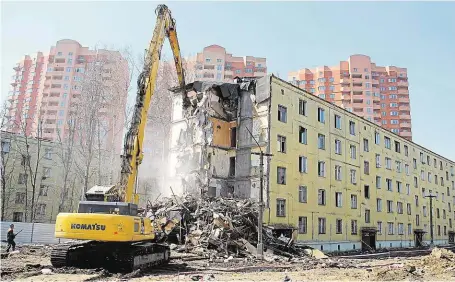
{"x":31,"y":261}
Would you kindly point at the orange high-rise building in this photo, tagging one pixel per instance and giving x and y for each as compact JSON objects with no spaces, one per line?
{"x":378,"y":94}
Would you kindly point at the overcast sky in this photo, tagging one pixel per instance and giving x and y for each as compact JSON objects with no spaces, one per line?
{"x":291,"y":35}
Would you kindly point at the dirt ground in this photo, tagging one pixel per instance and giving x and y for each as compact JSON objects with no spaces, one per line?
{"x":31,"y":262}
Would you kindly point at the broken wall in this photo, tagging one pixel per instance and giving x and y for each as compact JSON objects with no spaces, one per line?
{"x":204,"y":156}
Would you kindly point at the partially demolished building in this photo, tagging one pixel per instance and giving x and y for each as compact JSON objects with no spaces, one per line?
{"x":212,"y":138}
{"x":324,"y":183}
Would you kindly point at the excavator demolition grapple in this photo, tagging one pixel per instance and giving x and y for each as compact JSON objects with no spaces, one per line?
{"x":108,"y":231}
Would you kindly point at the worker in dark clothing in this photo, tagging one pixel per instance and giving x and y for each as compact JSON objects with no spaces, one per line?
{"x":10,"y":238}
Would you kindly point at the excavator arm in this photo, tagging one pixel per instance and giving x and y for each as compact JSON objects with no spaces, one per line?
{"x":132,"y":151}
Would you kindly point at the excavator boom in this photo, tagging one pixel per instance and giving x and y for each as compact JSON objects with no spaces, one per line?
{"x":132,"y":150}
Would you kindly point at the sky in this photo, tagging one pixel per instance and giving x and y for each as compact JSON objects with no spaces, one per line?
{"x":291,"y":35}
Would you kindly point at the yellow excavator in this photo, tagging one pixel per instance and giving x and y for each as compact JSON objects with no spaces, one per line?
{"x":107,"y":231}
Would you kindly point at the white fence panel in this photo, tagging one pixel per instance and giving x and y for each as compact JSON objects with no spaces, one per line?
{"x":32,"y":233}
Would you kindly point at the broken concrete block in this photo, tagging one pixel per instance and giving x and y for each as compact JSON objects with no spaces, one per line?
{"x":46,"y":271}
{"x":315,"y":253}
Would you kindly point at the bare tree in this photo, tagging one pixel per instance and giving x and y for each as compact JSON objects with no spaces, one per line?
{"x":8,"y":162}
{"x":66,"y":153}
{"x":100,"y":115}
{"x":31,"y":152}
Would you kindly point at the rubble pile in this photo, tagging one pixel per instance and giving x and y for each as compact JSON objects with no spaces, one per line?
{"x":220,"y":227}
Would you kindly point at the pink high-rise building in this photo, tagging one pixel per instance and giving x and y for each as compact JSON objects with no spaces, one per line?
{"x":214,"y":63}
{"x":46,"y":87}
{"x":379,"y":94}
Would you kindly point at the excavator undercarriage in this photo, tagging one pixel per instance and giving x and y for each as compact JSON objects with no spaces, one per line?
{"x":112,"y":256}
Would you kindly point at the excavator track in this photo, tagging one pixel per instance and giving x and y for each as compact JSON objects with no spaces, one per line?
{"x":112,"y":256}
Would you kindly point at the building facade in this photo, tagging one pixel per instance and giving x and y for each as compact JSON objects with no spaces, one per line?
{"x":215,"y":64}
{"x":46,"y":89}
{"x":379,"y":94}
{"x":335,"y":181}
{"x":41,"y":173}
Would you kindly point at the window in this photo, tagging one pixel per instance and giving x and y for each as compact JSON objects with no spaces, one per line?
{"x":377,"y":138}
{"x":339,"y":226}
{"x":353,"y":227}
{"x":282,"y":113}
{"x":303,"y":161}
{"x":337,"y":122}
{"x":20,"y":198}
{"x":365,"y":145}
{"x":321,"y":197}
{"x":18,"y":216}
{"x":437,"y":213}
{"x":352,"y":127}
{"x":388,"y":163}
{"x":43,"y":190}
{"x":353,"y":152}
{"x":338,"y":172}
{"x":389,"y":206}
{"x":207,"y":60}
{"x":390,"y":228}
{"x":338,"y":199}
{"x":367,"y":216}
{"x":321,"y":169}
{"x":281,"y":175}
{"x":406,"y":169}
{"x":387,"y":142}
{"x":416,"y":200}
{"x":303,"y":224}
{"x":414,"y":163}
{"x":428,"y":160}
{"x":41,"y":210}
{"x":366,"y":191}
{"x":353,"y":176}
{"x":281,"y":144}
{"x":337,"y":147}
{"x":378,"y":182}
{"x":379,"y":205}
{"x":321,"y":115}
{"x":22,"y":178}
{"x":303,"y":133}
{"x":281,"y":207}
{"x":353,"y":201}
{"x":400,"y":207}
{"x":400,"y":229}
{"x":46,"y":172}
{"x":378,"y":160}
{"x":302,"y":107}
{"x":321,"y":225}
{"x":408,"y":189}
{"x":321,"y":141}
{"x":406,"y":150}
{"x":379,"y":227}
{"x":439,"y":230}
{"x":366,"y":167}
{"x":68,"y":69}
{"x":398,"y":186}
{"x":424,"y":209}
{"x":429,"y":177}
{"x":303,"y":194}
{"x":422,"y":175}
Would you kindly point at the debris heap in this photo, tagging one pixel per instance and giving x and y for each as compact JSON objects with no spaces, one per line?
{"x":219,"y":227}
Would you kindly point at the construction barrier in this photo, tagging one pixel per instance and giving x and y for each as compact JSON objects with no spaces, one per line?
{"x":32,"y":233}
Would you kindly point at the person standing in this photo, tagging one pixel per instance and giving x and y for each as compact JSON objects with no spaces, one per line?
{"x":10,"y":238}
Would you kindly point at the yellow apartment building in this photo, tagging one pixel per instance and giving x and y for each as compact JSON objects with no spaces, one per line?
{"x":335,"y":181}
{"x":346,"y":183}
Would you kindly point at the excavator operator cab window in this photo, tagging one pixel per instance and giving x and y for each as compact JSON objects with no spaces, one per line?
{"x":107,"y":208}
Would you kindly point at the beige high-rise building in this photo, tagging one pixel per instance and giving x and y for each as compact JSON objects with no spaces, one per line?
{"x":376,"y":93}
{"x":46,"y":87}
